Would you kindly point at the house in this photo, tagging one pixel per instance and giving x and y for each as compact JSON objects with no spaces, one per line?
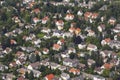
{"x":62,"y":68}
{"x":74,"y":71}
{"x":10,"y":34}
{"x":49,"y":77}
{"x":65,"y":55}
{"x":12,"y":64}
{"x":107,"y":66}
{"x":116,"y":29}
{"x":34,"y":65}
{"x":36,"y":20}
{"x":94,"y":15}
{"x":82,"y":46}
{"x":112,"y":21}
{"x":101,"y":27}
{"x":20,"y":61}
{"x":106,"y":53}
{"x":59,"y":24}
{"x":8,"y":76}
{"x":2,"y":54}
{"x":70,"y":62}
{"x":45,"y":51}
{"x":103,"y":8}
{"x":36,"y":73}
{"x":3,"y":67}
{"x":80,"y":13}
{"x":37,"y":53}
{"x":17,"y":31}
{"x":2,"y":2}
{"x":96,"y":77}
{"x":61,"y":42}
{"x":73,"y":24}
{"x":22,"y":71}
{"x":67,"y":34}
{"x":72,"y":29}
{"x":36,"y":41}
{"x":7,"y":50}
{"x":90,"y":4}
{"x":16,"y":19}
{"x":90,"y":62}
{"x":57,"y":33}
{"x":30,"y":49}
{"x":28,"y":26}
{"x":69,"y":16}
{"x":77,"y":31}
{"x":53,"y":65}
{"x":102,"y":18}
{"x":45,"y":30}
{"x":45,"y":63}
{"x":47,"y":36}
{"x":115,"y":62}
{"x":56,"y":47}
{"x":87,"y":15}
{"x":45,"y":19}
{"x":92,"y":47}
{"x":13,"y":42}
{"x":106,"y":41}
{"x":117,"y":36}
{"x":114,"y":55}
{"x":115,"y":44}
{"x":98,"y":70}
{"x":66,"y":0}
{"x":91,"y":33}
{"x":71,"y":50}
{"x":65,"y":76}
{"x":81,"y":66}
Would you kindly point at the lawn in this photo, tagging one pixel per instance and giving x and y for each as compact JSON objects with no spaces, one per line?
{"x":40,"y":35}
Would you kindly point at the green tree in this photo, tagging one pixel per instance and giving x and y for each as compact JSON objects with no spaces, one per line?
{"x":31,"y":76}
{"x":37,"y":57}
{"x":57,"y":72}
{"x":32,"y":57}
{"x":26,"y":75}
{"x":93,"y":40}
{"x":106,"y":73}
{"x":72,"y":55}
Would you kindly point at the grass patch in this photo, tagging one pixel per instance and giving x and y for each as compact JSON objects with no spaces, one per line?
{"x":40,"y":35}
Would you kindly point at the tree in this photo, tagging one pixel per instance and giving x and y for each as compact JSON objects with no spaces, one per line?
{"x":106,"y":73}
{"x":31,"y":76}
{"x":72,"y":55}
{"x":8,"y":58}
{"x":26,"y":74}
{"x":32,"y":57}
{"x":93,"y":40}
{"x":37,"y":57}
{"x":57,"y":72}
{"x":98,"y":58}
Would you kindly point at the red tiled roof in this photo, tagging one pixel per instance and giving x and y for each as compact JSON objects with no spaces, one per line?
{"x":107,"y":39}
{"x":107,"y":66}
{"x":56,"y":46}
{"x":50,"y":76}
{"x":74,"y":70}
